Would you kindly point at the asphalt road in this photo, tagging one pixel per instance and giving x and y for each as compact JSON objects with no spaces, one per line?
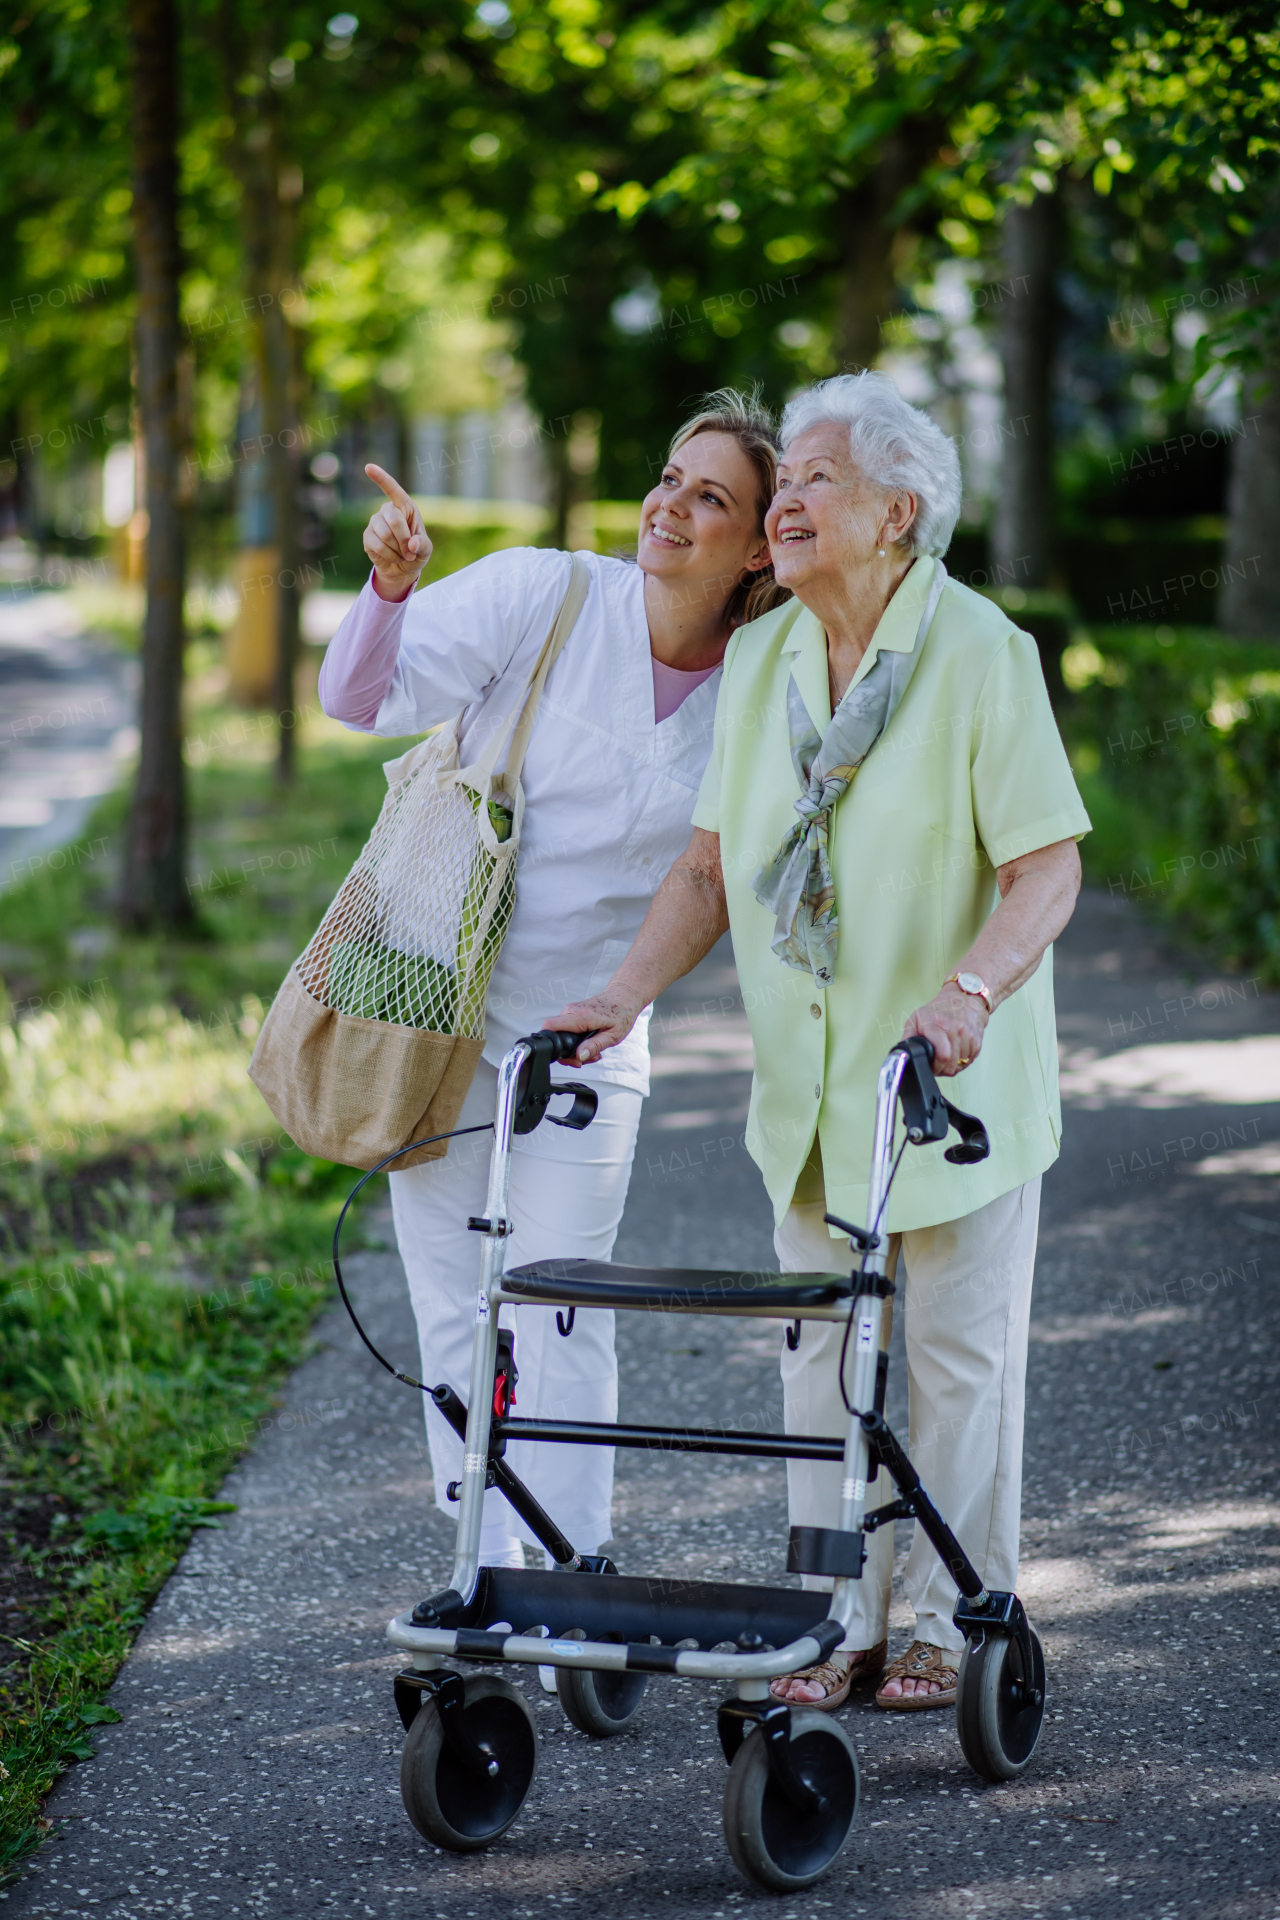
{"x":255,"y":1770}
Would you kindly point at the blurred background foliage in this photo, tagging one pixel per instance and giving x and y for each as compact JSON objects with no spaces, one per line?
{"x":502,"y":246}
{"x":599,"y":208}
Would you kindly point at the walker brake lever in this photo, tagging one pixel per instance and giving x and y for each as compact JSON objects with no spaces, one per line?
{"x":581,"y":1113}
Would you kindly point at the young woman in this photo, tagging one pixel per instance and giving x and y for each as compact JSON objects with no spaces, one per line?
{"x":612,"y":772}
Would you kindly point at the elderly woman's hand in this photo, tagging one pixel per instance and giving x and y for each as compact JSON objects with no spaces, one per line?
{"x":954,"y":1022}
{"x":608,"y":1017}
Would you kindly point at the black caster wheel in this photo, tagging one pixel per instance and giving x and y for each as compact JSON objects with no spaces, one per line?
{"x":999,"y":1709}
{"x":600,"y":1704}
{"x":468,"y":1803}
{"x":771,"y":1840}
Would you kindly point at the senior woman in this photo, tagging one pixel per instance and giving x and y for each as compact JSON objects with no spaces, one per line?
{"x":932,"y":863}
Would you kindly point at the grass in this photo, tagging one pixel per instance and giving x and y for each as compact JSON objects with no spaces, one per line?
{"x":1175,"y":739}
{"x":163,"y":1247}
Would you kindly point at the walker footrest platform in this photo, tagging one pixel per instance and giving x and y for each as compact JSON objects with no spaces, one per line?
{"x":602,"y":1283}
{"x":622,"y":1608}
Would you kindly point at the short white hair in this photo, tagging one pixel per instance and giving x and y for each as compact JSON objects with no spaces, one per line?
{"x":897,"y":446}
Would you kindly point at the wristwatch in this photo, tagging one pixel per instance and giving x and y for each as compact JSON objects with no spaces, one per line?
{"x":970,"y":983}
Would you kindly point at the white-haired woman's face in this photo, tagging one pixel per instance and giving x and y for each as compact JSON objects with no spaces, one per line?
{"x":828,"y":519}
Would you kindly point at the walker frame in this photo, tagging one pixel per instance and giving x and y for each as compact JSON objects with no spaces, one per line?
{"x":584,"y":1618}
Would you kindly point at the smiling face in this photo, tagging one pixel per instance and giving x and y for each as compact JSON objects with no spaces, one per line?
{"x":700,"y":526}
{"x":828,"y":520}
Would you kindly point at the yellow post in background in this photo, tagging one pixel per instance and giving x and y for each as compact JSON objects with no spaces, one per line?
{"x":249,"y":644}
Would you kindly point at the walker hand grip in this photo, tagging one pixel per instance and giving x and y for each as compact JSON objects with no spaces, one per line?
{"x":923,"y":1107}
{"x":929,"y":1115}
{"x":566,"y":1044}
{"x":533,"y":1089}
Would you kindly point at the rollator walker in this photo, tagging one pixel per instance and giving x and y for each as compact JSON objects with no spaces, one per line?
{"x":471,"y":1746}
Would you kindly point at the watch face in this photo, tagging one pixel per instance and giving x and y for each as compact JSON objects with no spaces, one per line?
{"x":968,"y":983}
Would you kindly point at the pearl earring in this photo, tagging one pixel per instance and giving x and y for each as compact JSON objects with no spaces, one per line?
{"x":881,"y":552}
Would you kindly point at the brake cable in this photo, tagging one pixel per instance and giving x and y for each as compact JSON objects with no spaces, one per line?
{"x":408,"y":1380}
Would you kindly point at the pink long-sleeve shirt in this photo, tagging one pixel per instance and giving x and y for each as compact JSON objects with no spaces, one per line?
{"x":360,"y":664}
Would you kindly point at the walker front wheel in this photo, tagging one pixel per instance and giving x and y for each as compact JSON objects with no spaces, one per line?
{"x":453,"y":1801}
{"x":999,"y":1708}
{"x":600,"y":1704}
{"x":772,"y":1841}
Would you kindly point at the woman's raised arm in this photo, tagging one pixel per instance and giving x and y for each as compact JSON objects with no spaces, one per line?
{"x":688,"y":915}
{"x":360,"y":660}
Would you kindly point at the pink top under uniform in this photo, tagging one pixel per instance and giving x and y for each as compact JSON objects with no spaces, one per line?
{"x":360,"y":664}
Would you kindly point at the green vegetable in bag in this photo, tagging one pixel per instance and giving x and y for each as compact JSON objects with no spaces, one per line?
{"x":380,"y":983}
{"x":476,"y":971}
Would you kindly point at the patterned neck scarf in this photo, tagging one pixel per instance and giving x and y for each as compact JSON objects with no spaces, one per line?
{"x":796,"y":884}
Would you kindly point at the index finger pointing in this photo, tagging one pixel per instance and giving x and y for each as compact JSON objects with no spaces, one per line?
{"x":393,"y":490}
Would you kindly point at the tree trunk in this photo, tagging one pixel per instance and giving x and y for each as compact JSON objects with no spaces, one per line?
{"x":870,"y":246}
{"x":154,"y":890}
{"x":1250,"y":600}
{"x":1022,"y":536}
{"x":268,"y":189}
{"x":1249,"y":603}
{"x":562,"y":490}
{"x":280,"y":412}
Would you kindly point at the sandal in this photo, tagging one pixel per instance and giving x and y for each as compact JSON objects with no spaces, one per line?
{"x":835,"y":1681}
{"x":921,"y":1661}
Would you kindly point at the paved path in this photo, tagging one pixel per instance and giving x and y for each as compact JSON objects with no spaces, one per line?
{"x":255,"y":1771}
{"x":67,"y":708}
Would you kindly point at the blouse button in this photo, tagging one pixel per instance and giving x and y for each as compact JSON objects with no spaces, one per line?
{"x":816,"y":1011}
{"x":817,"y":1093}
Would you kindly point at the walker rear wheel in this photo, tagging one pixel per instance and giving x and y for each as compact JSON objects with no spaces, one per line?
{"x":452,"y":1802}
{"x":999,"y":1708}
{"x":771,"y":1840}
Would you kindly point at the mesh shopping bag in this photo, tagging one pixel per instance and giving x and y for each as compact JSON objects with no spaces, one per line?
{"x":375,"y":1034}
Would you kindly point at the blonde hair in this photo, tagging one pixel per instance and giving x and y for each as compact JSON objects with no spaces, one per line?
{"x":745,"y":418}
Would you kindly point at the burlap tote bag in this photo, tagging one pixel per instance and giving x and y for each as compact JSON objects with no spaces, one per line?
{"x":374,"y":1036}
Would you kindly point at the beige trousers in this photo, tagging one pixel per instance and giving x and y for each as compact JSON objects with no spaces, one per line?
{"x":968,"y":1304}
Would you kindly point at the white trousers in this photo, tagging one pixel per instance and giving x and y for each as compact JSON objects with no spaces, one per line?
{"x":566,"y":1199}
{"x":968,"y":1305}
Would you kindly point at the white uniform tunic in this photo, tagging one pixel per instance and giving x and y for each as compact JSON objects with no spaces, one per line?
{"x":608,"y":794}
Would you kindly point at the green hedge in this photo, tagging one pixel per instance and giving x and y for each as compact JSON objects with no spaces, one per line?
{"x":1175,"y":737}
{"x":1118,"y":570}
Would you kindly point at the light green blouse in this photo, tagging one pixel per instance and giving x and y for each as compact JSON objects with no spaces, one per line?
{"x":970,"y":773}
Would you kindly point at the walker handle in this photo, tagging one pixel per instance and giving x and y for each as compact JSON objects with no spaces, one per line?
{"x":534,"y":1089}
{"x":929,"y":1115}
{"x":564,"y":1045}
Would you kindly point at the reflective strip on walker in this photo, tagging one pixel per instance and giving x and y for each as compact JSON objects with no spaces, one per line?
{"x":474,"y":1463}
{"x":569,"y":1647}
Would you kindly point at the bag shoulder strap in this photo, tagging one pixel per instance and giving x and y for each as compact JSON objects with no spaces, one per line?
{"x":567,"y":618}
